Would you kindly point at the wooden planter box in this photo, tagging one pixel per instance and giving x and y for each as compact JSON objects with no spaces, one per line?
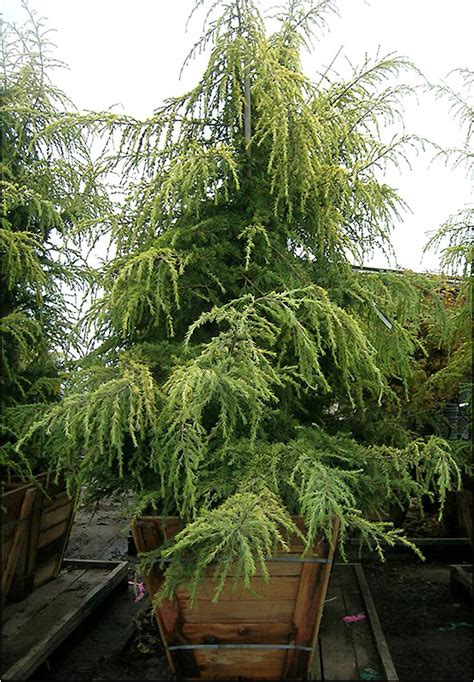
{"x":272,"y":636}
{"x":36,"y":523}
{"x":466,"y":509}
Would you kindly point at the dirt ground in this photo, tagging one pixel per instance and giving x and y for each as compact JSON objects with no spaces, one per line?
{"x":428,"y":628}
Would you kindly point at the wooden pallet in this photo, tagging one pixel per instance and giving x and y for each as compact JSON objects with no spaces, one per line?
{"x":348,"y":651}
{"x":33,"y":628}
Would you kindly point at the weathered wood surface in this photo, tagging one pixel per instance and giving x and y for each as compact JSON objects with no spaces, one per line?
{"x":466,"y":509}
{"x":18,"y":541}
{"x":33,"y":629}
{"x":347,"y":650}
{"x":269,"y":636}
{"x":36,"y":537}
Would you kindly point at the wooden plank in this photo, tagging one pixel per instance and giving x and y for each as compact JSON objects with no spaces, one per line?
{"x":223,"y":664}
{"x":167,"y":616}
{"x":65,"y":539}
{"x":382,"y":647}
{"x":86,"y":563}
{"x":14,"y":616}
{"x":360,"y":633}
{"x":321,"y":598}
{"x":44,"y":572}
{"x":53,"y":517}
{"x":50,"y":504}
{"x":12,"y":501}
{"x":241,"y":611}
{"x":63,"y":627}
{"x":281,"y":588}
{"x":228,"y":633}
{"x":465,"y":506}
{"x":275,"y":568}
{"x":316,"y":672}
{"x":309,"y":602}
{"x":52,"y":533}
{"x":309,"y":593}
{"x":338,"y":654}
{"x":21,"y":535}
{"x":30,"y":564}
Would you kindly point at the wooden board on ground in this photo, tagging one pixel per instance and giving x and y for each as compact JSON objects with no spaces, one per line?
{"x":33,"y":628}
{"x":356,"y":650}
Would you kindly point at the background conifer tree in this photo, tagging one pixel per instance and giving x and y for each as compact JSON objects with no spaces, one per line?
{"x":235,"y":341}
{"x":454,"y":240}
{"x":49,"y":195}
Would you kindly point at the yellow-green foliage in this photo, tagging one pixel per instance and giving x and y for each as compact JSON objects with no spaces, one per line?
{"x":236,"y":344}
{"x":48,"y":193}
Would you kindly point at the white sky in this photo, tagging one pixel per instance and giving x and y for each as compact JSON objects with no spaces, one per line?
{"x":130,"y":53}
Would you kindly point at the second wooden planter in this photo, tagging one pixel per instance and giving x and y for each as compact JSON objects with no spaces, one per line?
{"x":271,"y":636}
{"x":36,"y":523}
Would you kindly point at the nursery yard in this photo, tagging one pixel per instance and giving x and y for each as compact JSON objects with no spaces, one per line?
{"x":191,"y":324}
{"x":413,"y":602}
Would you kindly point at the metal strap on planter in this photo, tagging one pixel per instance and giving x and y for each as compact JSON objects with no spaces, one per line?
{"x":288,"y":559}
{"x":308,"y":560}
{"x":240,"y":646}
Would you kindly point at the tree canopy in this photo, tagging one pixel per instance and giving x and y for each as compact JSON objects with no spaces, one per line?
{"x":236,"y":342}
{"x":50,"y":197}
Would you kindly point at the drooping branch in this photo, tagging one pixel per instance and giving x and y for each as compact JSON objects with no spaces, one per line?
{"x":247,"y":98}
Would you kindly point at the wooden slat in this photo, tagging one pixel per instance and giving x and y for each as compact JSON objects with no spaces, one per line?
{"x":30,"y":564}
{"x":167,"y":615}
{"x":281,"y":588}
{"x":465,"y":505}
{"x":50,"y":503}
{"x":45,"y":571}
{"x":14,"y":616}
{"x":242,"y":611}
{"x":229,"y":633}
{"x":360,"y":634}
{"x":338,"y":655}
{"x":384,"y":653}
{"x":52,"y":517}
{"x":52,"y":533}
{"x":60,"y":628}
{"x":65,"y":539}
{"x":304,"y":616}
{"x":308,"y":611}
{"x":275,"y":568}
{"x":324,"y":588}
{"x":316,"y":672}
{"x":21,"y":535}
{"x":224,"y":665}
{"x":69,"y":564}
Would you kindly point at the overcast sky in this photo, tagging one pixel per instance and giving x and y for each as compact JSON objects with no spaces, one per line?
{"x":130,"y":54}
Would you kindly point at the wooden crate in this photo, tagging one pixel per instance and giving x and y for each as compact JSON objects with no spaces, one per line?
{"x":36,"y":523}
{"x":272,"y":636}
{"x":466,"y":509}
{"x":35,"y":627}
